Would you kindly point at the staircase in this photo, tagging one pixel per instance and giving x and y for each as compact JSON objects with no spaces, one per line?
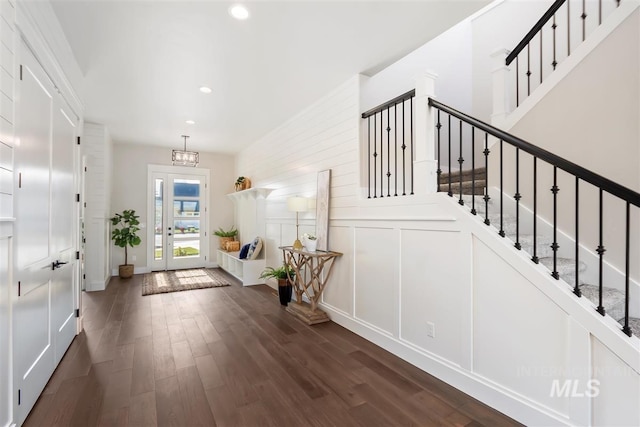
{"x":612,"y":299}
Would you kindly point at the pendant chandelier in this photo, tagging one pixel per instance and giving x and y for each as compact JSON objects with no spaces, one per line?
{"x":184,"y":157}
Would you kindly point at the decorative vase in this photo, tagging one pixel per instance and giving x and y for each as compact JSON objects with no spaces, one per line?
{"x":285,"y":290}
{"x":310,"y":245}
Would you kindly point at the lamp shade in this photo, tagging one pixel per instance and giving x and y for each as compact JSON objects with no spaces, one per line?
{"x":297,"y":204}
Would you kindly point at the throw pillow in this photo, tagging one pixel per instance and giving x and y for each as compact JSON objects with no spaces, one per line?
{"x":244,"y":251}
{"x":254,"y":249}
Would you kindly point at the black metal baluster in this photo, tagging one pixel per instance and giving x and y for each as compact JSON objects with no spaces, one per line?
{"x":369,"y":157}
{"x":600,"y":250}
{"x":388,"y":152}
{"x":395,"y":145}
{"x":541,"y":62}
{"x":486,"y":168}
{"x":554,"y":245}
{"x":517,"y":198}
{"x":576,"y":288}
{"x":568,"y":29}
{"x":584,"y":19}
{"x":375,"y":155}
{"x":535,"y":258}
{"x":599,"y":12}
{"x":450,"y":193}
{"x":412,"y":149}
{"x":381,"y":154}
{"x":517,"y":82}
{"x":460,"y":162}
{"x":528,"y":69}
{"x":473,"y":170}
{"x":501,"y":232}
{"x":404,"y":150}
{"x":626,"y":329}
{"x":554,"y":26}
{"x":439,"y":171}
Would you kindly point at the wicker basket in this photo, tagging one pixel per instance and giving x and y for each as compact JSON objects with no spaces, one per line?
{"x":233,"y":246}
{"x":223,"y":242}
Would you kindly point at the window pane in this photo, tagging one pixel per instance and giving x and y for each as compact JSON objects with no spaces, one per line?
{"x":186,"y":188}
{"x":159,"y":221}
{"x":186,"y":248}
{"x":186,"y":208}
{"x":186,"y":228}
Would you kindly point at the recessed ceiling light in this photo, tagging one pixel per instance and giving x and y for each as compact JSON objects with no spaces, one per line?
{"x":239,"y":11}
{"x":205,"y":89}
{"x":190,"y":122}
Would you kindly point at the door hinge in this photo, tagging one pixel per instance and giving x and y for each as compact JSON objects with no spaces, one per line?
{"x":20,"y":71}
{"x":77,"y":254}
{"x":19,"y":396}
{"x":78,"y":197}
{"x":20,"y":180}
{"x":85,"y":204}
{"x":78,"y":140}
{"x":77,"y":312}
{"x":85,"y":168}
{"x":19,"y":287}
{"x":84,"y":276}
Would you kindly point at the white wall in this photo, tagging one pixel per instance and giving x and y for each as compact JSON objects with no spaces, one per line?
{"x":129,"y":191}
{"x":501,"y":322}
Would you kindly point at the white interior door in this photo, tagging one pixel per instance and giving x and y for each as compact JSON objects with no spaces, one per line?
{"x":44,"y":232}
{"x":179,"y":216}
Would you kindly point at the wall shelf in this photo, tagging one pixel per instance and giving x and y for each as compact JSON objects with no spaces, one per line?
{"x":251,"y":193}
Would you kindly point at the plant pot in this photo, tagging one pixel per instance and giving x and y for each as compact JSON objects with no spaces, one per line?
{"x":125,"y":271}
{"x":310,"y":245}
{"x":285,"y":291}
{"x":223,"y":242}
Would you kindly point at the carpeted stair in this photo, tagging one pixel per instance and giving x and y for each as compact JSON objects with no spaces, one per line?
{"x":612,"y":299}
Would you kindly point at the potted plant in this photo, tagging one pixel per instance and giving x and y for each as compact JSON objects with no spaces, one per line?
{"x":310,"y":242}
{"x":284,"y":275}
{"x":242,"y":183}
{"x":125,"y":234}
{"x":226,"y":236}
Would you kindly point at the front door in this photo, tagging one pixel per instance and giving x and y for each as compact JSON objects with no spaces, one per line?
{"x":178,"y":218}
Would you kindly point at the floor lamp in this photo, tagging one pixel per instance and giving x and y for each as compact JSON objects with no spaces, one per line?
{"x":297,"y":204}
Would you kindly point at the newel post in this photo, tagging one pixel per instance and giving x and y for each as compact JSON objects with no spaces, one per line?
{"x":425,"y":164}
{"x":501,"y":84}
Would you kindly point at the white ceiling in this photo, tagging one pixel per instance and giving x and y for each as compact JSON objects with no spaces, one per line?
{"x":143,"y":61}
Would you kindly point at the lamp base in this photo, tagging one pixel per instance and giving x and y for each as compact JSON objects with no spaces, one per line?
{"x":297,"y":244}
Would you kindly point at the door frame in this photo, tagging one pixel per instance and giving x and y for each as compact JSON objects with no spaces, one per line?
{"x":177,"y":170}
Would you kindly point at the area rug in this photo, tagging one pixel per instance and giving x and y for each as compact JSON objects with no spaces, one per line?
{"x":182,"y":280}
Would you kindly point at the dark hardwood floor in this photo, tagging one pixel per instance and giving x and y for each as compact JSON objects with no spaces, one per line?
{"x":233,"y":356}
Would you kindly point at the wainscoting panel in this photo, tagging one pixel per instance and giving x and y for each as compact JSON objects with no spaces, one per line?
{"x":339,"y":290}
{"x":434,"y":291}
{"x":376,"y":277}
{"x":528,"y":366}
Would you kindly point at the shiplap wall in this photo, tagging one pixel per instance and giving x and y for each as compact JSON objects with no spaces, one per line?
{"x":7,"y":71}
{"x":97,"y":150}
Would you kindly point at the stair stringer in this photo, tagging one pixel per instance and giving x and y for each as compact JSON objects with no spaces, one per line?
{"x":609,"y":25}
{"x":613,"y":277}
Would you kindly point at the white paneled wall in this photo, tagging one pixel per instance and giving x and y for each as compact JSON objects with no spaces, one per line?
{"x":7,"y":70}
{"x":432,"y":284}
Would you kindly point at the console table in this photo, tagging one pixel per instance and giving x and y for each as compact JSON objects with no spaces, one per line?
{"x":312,"y":271}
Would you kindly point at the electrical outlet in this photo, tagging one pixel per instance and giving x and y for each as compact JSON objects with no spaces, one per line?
{"x":133,"y":257}
{"x":431,"y":329}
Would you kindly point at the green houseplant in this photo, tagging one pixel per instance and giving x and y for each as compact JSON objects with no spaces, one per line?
{"x":125,"y":234}
{"x":226,"y":236}
{"x":284,"y":274}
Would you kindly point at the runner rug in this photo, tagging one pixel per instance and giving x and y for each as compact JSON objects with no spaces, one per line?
{"x":182,"y":280}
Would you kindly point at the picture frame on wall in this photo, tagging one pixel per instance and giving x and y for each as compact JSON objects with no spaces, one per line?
{"x":322,"y":209}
